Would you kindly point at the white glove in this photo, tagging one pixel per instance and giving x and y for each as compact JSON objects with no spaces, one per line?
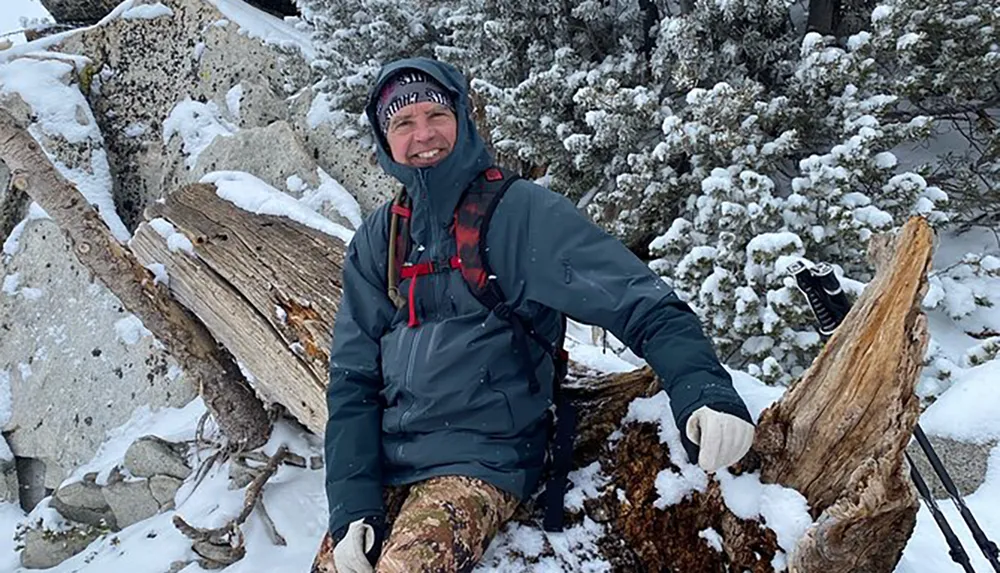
{"x":723,"y":439}
{"x":349,"y":554}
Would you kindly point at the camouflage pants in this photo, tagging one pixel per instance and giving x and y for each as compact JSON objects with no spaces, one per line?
{"x":442,"y":525}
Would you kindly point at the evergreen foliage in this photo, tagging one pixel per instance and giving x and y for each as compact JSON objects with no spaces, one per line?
{"x":715,"y":137}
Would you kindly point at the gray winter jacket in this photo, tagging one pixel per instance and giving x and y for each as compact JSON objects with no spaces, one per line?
{"x":449,"y":397}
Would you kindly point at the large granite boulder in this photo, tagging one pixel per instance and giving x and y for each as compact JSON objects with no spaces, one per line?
{"x":79,"y":365}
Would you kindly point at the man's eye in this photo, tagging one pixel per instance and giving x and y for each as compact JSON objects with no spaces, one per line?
{"x":401,"y":124}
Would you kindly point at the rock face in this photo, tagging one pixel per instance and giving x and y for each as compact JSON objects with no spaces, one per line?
{"x":966,"y":464}
{"x":142,"y":69}
{"x":78,"y":364}
{"x":89,"y":11}
{"x":79,"y":11}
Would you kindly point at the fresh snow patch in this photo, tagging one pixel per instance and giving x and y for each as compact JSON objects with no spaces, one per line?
{"x":10,"y":283}
{"x":711,"y":537}
{"x":10,"y":244}
{"x":233,"y":98}
{"x":251,"y":194}
{"x":785,"y":510}
{"x":160,"y":275}
{"x":45,"y":86}
{"x":147,"y":12}
{"x":197,"y":124}
{"x":961,"y":413}
{"x":130,"y":329}
{"x":332,"y":192}
{"x":271,"y":30}
{"x":587,"y":483}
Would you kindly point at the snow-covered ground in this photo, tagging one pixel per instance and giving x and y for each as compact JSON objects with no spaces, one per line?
{"x":966,"y":407}
{"x":14,"y":11}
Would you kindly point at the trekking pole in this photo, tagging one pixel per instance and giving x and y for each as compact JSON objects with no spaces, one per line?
{"x":955,"y":548}
{"x":830,"y":305}
{"x":985,"y":544}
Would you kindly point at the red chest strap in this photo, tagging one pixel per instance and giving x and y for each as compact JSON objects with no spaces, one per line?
{"x":425,"y":268}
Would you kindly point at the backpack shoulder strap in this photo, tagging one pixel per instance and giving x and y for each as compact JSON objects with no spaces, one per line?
{"x":399,"y":244}
{"x":472,"y":219}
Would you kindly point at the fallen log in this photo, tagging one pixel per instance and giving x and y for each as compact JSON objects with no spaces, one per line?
{"x":210,"y":369}
{"x":266,"y":287}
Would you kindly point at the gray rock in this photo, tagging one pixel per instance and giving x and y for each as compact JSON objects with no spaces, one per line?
{"x":966,"y":464}
{"x":164,"y":488}
{"x":73,"y":375}
{"x":259,"y":106}
{"x":84,"y":502}
{"x":149,"y":456}
{"x":131,"y":501}
{"x":79,"y":11}
{"x":8,"y":481}
{"x":147,"y":66}
{"x":345,"y":160}
{"x":45,"y":549}
{"x":253,"y":151}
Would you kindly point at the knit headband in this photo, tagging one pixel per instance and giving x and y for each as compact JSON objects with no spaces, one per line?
{"x":405,"y":88}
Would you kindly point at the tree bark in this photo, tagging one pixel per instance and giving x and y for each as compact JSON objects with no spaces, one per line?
{"x":236,"y":408}
{"x":823,"y":16}
{"x":839,"y":434}
{"x":266,"y":287}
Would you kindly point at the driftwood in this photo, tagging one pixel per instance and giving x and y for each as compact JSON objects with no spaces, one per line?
{"x":236,"y":409}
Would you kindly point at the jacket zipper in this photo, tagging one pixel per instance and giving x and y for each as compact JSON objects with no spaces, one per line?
{"x":408,"y":375}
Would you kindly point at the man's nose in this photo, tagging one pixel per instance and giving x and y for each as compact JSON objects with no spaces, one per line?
{"x":423,"y":130}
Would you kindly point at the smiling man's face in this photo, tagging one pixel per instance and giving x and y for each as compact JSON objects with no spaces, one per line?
{"x":422,"y":134}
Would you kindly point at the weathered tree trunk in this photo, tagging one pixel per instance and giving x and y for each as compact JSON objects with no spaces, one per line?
{"x":266,"y":287}
{"x":13,"y":204}
{"x":236,"y":409}
{"x":839,"y":434}
{"x":823,"y":16}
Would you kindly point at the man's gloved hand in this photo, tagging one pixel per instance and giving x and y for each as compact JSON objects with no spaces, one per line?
{"x":723,"y":439}
{"x":358,"y":545}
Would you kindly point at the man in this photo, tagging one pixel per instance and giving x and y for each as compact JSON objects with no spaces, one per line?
{"x":430,"y":402}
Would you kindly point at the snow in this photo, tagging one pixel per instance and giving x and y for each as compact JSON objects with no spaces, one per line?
{"x":980,"y":419}
{"x":130,"y":329}
{"x":147,"y":12}
{"x":233,"y":98}
{"x":251,"y":194}
{"x":197,"y":124}
{"x":15,"y":12}
{"x":258,"y":24}
{"x":10,"y":244}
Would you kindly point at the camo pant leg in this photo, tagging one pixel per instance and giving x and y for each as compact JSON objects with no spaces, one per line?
{"x":445,"y":526}
{"x":392,"y":497}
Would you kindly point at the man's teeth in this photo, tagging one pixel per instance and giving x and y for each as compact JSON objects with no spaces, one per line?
{"x":428,"y":154}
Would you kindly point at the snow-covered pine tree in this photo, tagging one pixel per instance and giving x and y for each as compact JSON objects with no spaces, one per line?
{"x":942,"y":59}
{"x":355,"y":38}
